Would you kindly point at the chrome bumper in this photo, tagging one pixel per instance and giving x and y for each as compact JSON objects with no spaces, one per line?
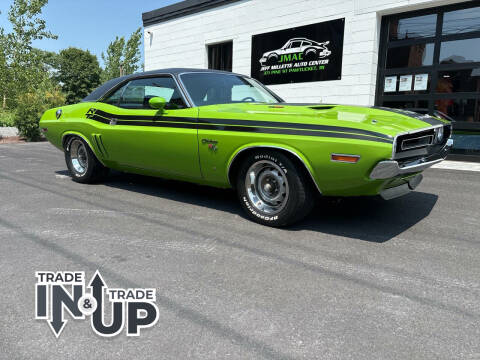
{"x":404,"y":189}
{"x":390,"y":168}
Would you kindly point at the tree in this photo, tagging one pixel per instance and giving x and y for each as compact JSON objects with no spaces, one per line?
{"x":78,"y":72}
{"x":122,"y":57}
{"x":21,"y":68}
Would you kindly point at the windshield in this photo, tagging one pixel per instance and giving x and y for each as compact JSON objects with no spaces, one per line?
{"x":218,"y":88}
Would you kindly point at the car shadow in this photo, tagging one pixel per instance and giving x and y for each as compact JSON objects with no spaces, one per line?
{"x":368,"y":218}
{"x":365,"y":218}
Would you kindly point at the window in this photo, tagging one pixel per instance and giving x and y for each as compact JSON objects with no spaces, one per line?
{"x":460,"y":51}
{"x":137,"y":93}
{"x":413,"y":28}
{"x":429,"y":61}
{"x":459,"y":109}
{"x":210,"y":89}
{"x":115,"y":97}
{"x":467,"y":80}
{"x":220,"y":56}
{"x":461,"y":21}
{"x":410,"y":56}
{"x":295,"y":44}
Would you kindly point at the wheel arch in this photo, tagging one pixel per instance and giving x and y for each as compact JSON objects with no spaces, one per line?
{"x":69,"y":134}
{"x":293,"y":154}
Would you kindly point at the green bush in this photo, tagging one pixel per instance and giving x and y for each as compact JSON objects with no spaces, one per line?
{"x":6,"y":118}
{"x":30,"y":108}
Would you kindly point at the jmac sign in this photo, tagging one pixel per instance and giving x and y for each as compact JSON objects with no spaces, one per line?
{"x":302,"y":54}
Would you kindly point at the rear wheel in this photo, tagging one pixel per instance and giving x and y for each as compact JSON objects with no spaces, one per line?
{"x":310,"y":54}
{"x":273,"y":190}
{"x":272,"y":59}
{"x":82,"y":162}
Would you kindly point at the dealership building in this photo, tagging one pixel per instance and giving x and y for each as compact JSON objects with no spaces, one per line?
{"x":421,"y":55}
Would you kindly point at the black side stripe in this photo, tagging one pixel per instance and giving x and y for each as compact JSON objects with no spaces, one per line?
{"x":256,"y":123}
{"x":293,"y":126}
{"x":292,"y":132}
{"x":143,"y":117}
{"x":189,"y":124}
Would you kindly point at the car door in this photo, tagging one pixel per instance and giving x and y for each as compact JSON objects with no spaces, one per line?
{"x":139,"y":138}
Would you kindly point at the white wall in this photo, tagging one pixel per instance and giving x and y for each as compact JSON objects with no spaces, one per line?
{"x":182,"y":42}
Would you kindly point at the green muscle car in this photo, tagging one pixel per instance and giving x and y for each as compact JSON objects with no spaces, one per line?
{"x":228,"y":130}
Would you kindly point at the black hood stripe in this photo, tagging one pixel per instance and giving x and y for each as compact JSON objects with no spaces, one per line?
{"x":231,"y":125}
{"x":425,"y":118}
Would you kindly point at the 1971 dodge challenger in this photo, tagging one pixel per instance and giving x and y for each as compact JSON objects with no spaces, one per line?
{"x":228,"y":130}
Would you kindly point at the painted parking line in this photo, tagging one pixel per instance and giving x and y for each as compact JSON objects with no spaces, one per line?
{"x":458,"y":165}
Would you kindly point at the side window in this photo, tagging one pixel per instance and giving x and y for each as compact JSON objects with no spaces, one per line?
{"x":296,"y":44}
{"x":137,"y":93}
{"x":115,"y":97}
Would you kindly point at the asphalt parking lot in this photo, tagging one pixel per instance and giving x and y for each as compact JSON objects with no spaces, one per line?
{"x":358,"y":279}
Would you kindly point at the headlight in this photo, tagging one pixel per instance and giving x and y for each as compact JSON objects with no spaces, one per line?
{"x":440,"y":133}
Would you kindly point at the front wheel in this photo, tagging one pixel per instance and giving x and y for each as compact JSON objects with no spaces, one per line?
{"x":273,"y":190}
{"x":82,"y":162}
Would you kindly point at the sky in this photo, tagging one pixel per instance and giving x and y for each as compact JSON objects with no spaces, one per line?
{"x":89,"y":24}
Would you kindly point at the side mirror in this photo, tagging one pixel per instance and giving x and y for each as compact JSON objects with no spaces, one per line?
{"x":157,"y":102}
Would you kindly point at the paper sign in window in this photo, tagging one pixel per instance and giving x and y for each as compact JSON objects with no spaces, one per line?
{"x":390,"y":84}
{"x":405,"y":83}
{"x":421,"y":82}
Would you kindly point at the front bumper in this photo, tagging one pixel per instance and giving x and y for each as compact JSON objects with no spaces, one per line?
{"x":404,"y":189}
{"x":391,"y":168}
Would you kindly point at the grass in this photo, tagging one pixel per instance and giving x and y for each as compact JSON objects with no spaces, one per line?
{"x":6,"y":118}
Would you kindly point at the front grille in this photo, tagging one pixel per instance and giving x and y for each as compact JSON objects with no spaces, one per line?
{"x":417,"y":142}
{"x":420,"y":144}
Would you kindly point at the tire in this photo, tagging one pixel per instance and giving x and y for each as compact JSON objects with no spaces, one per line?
{"x":82,"y":163}
{"x":310,"y":54}
{"x":272,"y":59}
{"x":273,"y":190}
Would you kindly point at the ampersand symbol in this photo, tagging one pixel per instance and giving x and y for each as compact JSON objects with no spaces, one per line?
{"x":86,"y":304}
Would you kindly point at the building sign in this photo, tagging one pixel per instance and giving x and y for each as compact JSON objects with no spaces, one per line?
{"x":302,"y":54}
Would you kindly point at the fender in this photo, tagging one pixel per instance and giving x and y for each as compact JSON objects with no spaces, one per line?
{"x":287,"y":148}
{"x":94,"y":150}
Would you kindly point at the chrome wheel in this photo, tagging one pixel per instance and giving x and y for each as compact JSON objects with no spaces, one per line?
{"x":267,"y":187}
{"x":78,"y":156}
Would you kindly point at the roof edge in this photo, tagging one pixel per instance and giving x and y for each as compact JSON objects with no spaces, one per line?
{"x":183,"y":8}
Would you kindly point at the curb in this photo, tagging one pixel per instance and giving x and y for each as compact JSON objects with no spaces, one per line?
{"x":8,"y":132}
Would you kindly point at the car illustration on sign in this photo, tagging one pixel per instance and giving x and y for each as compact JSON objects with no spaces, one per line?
{"x":229,"y":131}
{"x":296,"y":49}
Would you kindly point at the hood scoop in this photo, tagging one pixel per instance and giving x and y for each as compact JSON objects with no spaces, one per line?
{"x":322,"y":107}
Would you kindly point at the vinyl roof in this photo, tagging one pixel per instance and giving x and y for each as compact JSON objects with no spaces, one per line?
{"x":180,"y":9}
{"x":110,"y":84}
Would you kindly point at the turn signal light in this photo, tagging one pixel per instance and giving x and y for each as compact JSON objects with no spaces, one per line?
{"x":345,"y":158}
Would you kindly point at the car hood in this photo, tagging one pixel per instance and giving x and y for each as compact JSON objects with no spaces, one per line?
{"x":386,"y":121}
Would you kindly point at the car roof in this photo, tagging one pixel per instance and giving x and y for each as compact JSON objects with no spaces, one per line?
{"x":100,"y":91}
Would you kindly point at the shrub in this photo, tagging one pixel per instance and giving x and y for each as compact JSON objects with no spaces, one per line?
{"x":30,"y":108}
{"x":6,"y":118}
